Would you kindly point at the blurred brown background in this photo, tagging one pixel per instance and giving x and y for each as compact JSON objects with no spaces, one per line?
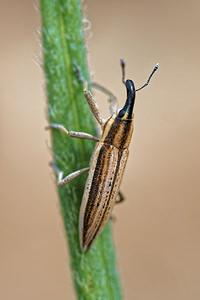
{"x":158,"y":227}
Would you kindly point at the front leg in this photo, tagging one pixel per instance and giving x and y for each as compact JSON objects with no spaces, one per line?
{"x":112,"y":99}
{"x":94,"y":107}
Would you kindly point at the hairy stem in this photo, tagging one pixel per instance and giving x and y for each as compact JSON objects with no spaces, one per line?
{"x":94,"y":273}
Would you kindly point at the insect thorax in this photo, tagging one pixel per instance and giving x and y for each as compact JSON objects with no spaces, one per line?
{"x":117,"y":132}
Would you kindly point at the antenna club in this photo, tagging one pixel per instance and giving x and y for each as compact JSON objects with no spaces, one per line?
{"x":122,"y":62}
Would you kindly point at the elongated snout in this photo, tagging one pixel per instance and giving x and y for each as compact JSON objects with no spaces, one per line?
{"x":127,"y":111}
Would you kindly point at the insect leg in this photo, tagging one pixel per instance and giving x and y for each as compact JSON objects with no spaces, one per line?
{"x":113,"y":218}
{"x":87,"y":94}
{"x":78,"y":73}
{"x":62,"y":181}
{"x":80,"y":135}
{"x":121,"y":198}
{"x":93,"y":106}
{"x":112,"y":100}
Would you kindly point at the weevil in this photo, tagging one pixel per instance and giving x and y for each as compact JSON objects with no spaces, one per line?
{"x":107,"y":163}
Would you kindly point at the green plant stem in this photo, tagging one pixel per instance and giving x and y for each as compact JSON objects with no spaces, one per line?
{"x":94,"y":273}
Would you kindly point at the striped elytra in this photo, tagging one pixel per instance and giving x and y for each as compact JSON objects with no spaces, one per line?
{"x":107,"y":166}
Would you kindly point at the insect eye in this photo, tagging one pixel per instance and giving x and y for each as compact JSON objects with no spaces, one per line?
{"x":121,"y":113}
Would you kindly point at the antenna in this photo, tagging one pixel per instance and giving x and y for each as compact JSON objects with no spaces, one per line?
{"x":154,"y":70}
{"x":122,"y":62}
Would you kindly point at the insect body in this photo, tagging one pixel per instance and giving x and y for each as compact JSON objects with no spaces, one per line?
{"x":107,"y":163}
